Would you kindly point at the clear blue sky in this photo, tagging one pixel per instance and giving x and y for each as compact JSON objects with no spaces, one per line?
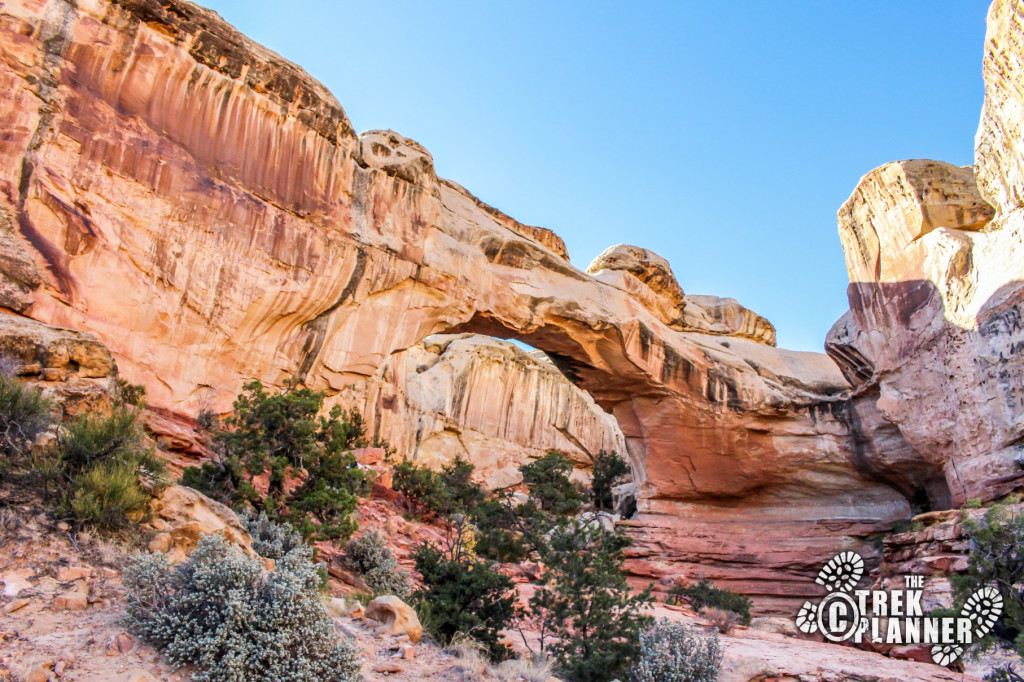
{"x":723,"y":136}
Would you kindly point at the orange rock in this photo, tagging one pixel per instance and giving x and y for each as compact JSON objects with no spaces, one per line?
{"x":396,"y":617}
{"x":71,"y":601}
{"x":70,"y":573}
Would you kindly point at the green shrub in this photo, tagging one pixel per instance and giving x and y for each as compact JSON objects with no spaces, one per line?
{"x":609,"y":469}
{"x":705,"y":595}
{"x":206,"y":420}
{"x":466,"y":595}
{"x":371,"y":556}
{"x":106,"y":468}
{"x":270,"y":539}
{"x":420,"y":485}
{"x":502,"y":527}
{"x":548,"y":482}
{"x":131,"y":394}
{"x":677,"y":653}
{"x":282,"y":436}
{"x":24,"y":415}
{"x":97,"y":437}
{"x":211,"y":479}
{"x":450,"y":491}
{"x":973,"y":503}
{"x":108,"y":494}
{"x":223,"y":613}
{"x":997,"y":559}
{"x":589,"y":619}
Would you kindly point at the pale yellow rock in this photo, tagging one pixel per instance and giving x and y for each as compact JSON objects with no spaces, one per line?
{"x":16,"y":605}
{"x":190,"y":514}
{"x":490,"y":402}
{"x":138,"y":675}
{"x":936,"y":262}
{"x":396,"y":617}
{"x":70,"y":573}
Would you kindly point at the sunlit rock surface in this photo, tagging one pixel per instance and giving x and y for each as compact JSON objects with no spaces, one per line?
{"x":205,"y":208}
{"x":932,"y":341}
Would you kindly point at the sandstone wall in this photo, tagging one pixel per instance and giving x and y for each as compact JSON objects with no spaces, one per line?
{"x":488,"y":401}
{"x":205,"y":208}
{"x":935,"y":255}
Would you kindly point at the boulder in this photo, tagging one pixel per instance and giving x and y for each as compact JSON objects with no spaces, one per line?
{"x":396,"y":617}
{"x":188,"y":515}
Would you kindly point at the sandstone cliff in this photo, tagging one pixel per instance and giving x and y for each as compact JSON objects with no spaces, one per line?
{"x":488,"y":401}
{"x":932,"y":341}
{"x":206,"y":209}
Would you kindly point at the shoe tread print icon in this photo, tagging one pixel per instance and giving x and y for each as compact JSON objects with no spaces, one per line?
{"x":983,"y":608}
{"x":841,"y":573}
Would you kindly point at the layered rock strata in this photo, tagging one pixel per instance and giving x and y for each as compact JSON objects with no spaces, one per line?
{"x":487,"y":401}
{"x":206,"y":209}
{"x":932,"y":342}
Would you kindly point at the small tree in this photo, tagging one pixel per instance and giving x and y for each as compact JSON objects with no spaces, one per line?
{"x":548,"y":481}
{"x":450,"y":491}
{"x":280,"y":435}
{"x":997,"y":559}
{"x":609,"y":469}
{"x":585,"y":612}
{"x":705,"y":595}
{"x":465,"y":593}
{"x":504,"y":527}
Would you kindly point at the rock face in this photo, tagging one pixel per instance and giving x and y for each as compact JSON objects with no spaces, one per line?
{"x":72,"y":368}
{"x":206,"y":209}
{"x":487,"y":401}
{"x":936,"y":262}
{"x":647,"y":276}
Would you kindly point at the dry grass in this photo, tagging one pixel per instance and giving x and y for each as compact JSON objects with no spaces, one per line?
{"x":471,"y":654}
{"x":535,"y":669}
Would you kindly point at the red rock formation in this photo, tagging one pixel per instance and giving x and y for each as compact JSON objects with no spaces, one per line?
{"x":205,"y":208}
{"x":932,"y":339}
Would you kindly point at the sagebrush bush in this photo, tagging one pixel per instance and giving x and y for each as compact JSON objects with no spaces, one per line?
{"x":24,"y":416}
{"x":705,"y":595}
{"x":372,"y":557}
{"x":677,"y":653}
{"x":270,"y":539}
{"x":222,"y":612}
